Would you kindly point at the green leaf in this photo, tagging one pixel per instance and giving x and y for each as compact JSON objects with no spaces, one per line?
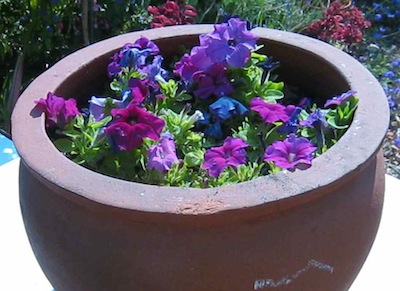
{"x":64,"y":145}
{"x":116,"y":86}
{"x":275,"y":85}
{"x":332,"y":123}
{"x":184,"y":97}
{"x":194,"y":159}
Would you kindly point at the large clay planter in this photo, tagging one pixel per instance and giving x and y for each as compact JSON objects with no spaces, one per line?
{"x":307,"y":230}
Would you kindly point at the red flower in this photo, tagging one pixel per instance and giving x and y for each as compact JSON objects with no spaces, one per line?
{"x":344,"y":23}
{"x":172,"y":13}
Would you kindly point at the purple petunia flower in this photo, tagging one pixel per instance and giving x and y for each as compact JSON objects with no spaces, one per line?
{"x":162,"y":156}
{"x":145,"y":43}
{"x":230,"y":42}
{"x":231,"y":153}
{"x":226,"y":107}
{"x":131,"y":125}
{"x":58,"y":110}
{"x":337,"y":100}
{"x":294,"y":152}
{"x":397,"y":142}
{"x":212,"y":82}
{"x":271,"y":112}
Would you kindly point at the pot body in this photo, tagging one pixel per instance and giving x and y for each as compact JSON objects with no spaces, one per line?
{"x":321,"y":245}
{"x":306,"y":230}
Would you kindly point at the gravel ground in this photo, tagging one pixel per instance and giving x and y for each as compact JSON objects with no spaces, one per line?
{"x":390,"y":151}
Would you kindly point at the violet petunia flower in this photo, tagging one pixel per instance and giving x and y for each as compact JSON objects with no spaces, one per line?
{"x":58,"y":111}
{"x":292,"y":153}
{"x":132,"y":55}
{"x":212,"y":82}
{"x":292,"y":124}
{"x":162,"y":156}
{"x":270,"y":112}
{"x":134,"y":58}
{"x":154,"y":71}
{"x":230,"y":42}
{"x":131,"y":125}
{"x":188,"y":65}
{"x":97,"y":105}
{"x":315,"y":119}
{"x":226,"y":107}
{"x":337,"y":100}
{"x":231,"y":153}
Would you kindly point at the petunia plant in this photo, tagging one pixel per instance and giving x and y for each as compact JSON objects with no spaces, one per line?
{"x":216,"y":117}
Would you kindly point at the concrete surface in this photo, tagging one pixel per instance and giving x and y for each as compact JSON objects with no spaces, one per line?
{"x":22,"y":272}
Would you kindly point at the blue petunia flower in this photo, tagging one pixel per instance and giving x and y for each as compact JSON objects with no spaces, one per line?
{"x":226,"y":107}
{"x":212,"y":125}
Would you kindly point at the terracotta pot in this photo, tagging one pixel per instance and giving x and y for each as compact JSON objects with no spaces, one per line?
{"x":307,"y":230}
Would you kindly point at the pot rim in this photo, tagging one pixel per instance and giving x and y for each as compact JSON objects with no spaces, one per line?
{"x":358,"y":145}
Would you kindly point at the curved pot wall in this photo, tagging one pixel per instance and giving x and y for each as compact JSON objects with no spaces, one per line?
{"x":307,"y":230}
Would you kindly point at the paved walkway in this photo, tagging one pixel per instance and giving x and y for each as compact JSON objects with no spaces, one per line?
{"x":7,"y":150}
{"x":379,"y":272}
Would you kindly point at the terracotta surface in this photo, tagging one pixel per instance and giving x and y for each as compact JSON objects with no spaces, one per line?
{"x":307,"y":230}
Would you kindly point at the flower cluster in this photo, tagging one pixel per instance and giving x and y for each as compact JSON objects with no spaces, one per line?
{"x":172,"y":13}
{"x":391,"y":84}
{"x":216,"y":118}
{"x":384,"y":16}
{"x":342,"y":23}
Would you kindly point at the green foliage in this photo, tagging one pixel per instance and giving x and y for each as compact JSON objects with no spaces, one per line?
{"x":292,"y":15}
{"x":84,"y":141}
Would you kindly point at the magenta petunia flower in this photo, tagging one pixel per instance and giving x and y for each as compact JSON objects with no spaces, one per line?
{"x":162,"y":156}
{"x":294,"y":152}
{"x":230,"y":42}
{"x":131,"y":125}
{"x":337,"y":100}
{"x":58,"y":110}
{"x":231,"y":153}
{"x":271,"y":112}
{"x":139,"y":90}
